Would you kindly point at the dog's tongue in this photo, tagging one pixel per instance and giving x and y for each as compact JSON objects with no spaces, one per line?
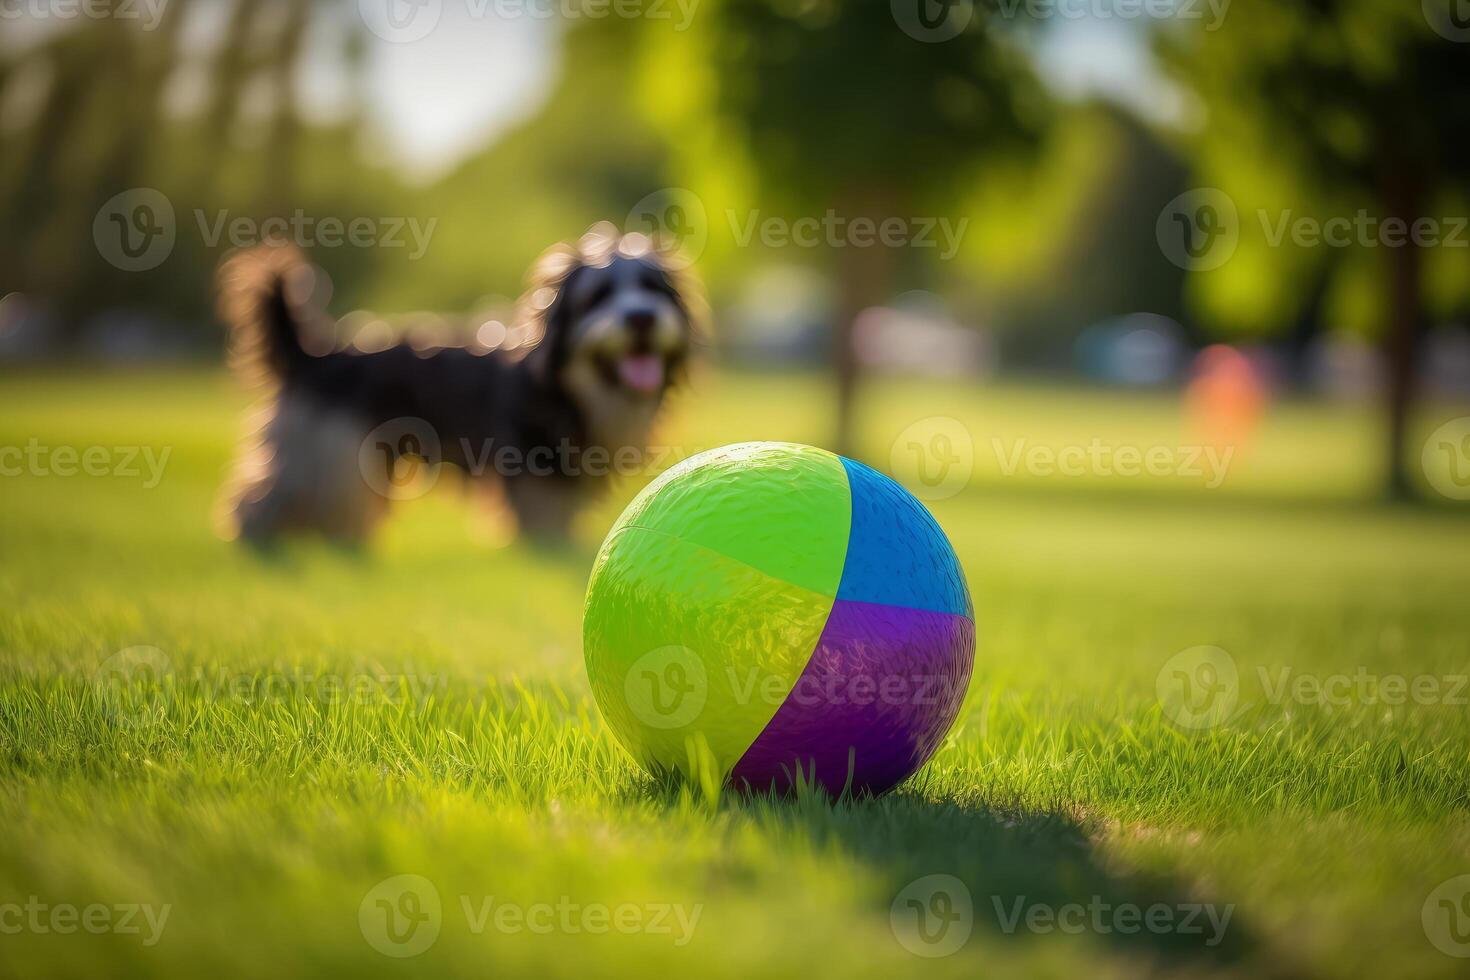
{"x":641,"y":372}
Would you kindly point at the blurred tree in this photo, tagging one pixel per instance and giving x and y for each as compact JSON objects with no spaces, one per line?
{"x":88,"y":140}
{"x":284,"y":130}
{"x":1056,"y":244}
{"x":585,"y":155}
{"x":101,"y":122}
{"x":868,"y":113}
{"x":235,"y":63}
{"x":1347,"y":105}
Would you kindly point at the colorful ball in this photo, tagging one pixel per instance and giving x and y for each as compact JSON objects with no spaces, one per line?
{"x":774,"y":614}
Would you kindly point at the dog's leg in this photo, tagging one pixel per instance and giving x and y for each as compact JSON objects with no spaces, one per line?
{"x":544,"y":505}
{"x":304,"y":474}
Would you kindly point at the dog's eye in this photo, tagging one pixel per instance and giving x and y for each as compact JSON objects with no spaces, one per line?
{"x":654,"y":283}
{"x":599,"y":295}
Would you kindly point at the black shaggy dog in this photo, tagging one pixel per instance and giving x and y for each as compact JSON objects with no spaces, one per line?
{"x":602,"y":332}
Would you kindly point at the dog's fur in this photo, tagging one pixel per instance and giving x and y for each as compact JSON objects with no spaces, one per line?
{"x":602,"y":332}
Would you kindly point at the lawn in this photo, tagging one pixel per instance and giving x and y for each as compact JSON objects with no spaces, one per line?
{"x":218,"y":764}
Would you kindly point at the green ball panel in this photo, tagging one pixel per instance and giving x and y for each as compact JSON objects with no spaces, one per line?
{"x":687,"y":646}
{"x":778,"y":507}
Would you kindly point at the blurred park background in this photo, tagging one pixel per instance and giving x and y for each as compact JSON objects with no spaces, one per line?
{"x":1262,"y":199}
{"x":1155,"y":303}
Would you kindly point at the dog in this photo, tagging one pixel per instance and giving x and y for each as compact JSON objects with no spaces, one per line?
{"x":602,"y":333}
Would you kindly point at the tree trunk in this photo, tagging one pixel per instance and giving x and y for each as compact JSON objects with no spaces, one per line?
{"x":864,"y":277}
{"x":1405,"y":325}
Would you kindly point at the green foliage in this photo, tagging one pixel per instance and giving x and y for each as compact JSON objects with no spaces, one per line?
{"x":837,"y":102}
{"x":1317,"y":109}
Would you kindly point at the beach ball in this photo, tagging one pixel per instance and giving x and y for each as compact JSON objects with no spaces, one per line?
{"x":773,"y":615}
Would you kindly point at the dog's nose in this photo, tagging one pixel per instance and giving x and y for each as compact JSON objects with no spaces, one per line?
{"x":640,"y":321}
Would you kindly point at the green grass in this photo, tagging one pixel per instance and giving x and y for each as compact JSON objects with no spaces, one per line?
{"x":261,"y":804}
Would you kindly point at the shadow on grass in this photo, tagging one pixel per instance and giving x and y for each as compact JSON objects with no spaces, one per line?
{"x":1028,"y":875}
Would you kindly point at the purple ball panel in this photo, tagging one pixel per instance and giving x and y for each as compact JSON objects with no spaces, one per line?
{"x":876,"y":699}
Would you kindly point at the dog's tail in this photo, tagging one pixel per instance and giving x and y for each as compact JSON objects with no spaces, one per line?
{"x":262,"y":297}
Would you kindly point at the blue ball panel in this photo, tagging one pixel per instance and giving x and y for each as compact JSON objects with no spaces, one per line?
{"x":896,"y":553}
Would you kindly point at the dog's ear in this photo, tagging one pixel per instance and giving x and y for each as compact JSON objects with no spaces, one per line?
{"x":556,"y":328}
{"x":544,"y":315}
